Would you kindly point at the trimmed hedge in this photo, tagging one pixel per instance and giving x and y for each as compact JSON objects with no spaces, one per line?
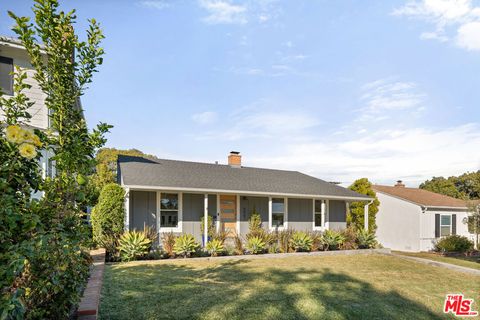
{"x":108,"y":215}
{"x":454,"y":243}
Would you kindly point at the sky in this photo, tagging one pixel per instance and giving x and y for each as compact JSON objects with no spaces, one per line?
{"x":339,"y":90}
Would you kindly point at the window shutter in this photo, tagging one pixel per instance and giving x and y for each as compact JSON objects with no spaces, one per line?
{"x":454,"y":224}
{"x":437,"y":225}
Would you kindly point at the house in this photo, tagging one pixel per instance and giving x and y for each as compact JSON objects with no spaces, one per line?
{"x":411,"y":219}
{"x":171,"y":195}
{"x":12,"y":53}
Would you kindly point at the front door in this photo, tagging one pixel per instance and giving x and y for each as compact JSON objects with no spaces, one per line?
{"x":228,"y":214}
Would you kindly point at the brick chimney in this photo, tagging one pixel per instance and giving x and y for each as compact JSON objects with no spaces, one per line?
{"x":234,"y":159}
{"x":400,"y":184}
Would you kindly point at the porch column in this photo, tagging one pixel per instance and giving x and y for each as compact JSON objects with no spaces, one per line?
{"x":322,"y":208}
{"x":205,"y":218}
{"x":127,"y":210}
{"x":365,"y":213}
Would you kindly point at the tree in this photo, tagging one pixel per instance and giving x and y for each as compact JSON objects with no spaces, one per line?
{"x":473,"y":220}
{"x":43,"y":243}
{"x":106,"y":168}
{"x":356,"y":214}
{"x":109,"y":213}
{"x":443,"y":186}
{"x":469,"y":184}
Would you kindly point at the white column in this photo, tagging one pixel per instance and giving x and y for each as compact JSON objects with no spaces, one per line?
{"x":218,"y":213}
{"x":238,"y":215}
{"x":269,"y":212}
{"x":127,"y":209}
{"x":205,"y":217}
{"x":366,"y":216}
{"x":323,"y":212}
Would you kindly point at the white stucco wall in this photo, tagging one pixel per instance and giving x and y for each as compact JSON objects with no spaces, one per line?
{"x":427,"y":227}
{"x":38,"y":111}
{"x":398,"y":223}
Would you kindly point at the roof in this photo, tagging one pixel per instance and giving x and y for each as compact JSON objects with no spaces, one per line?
{"x":139,"y":172}
{"x":421,"y":197}
{"x":15,"y":42}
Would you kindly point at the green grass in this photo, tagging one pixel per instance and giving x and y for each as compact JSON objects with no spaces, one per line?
{"x":308,"y":287}
{"x":469,"y":262}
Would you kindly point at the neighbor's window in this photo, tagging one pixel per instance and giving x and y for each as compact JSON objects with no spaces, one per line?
{"x":278,"y":212}
{"x":6,"y":78}
{"x":169,"y":210}
{"x":318,"y":213}
{"x":445,"y":225}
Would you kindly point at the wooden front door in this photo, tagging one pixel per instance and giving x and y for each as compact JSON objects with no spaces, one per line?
{"x":228,"y":214}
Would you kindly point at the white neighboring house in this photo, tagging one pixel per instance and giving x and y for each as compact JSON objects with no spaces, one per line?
{"x":12,"y":53}
{"x":411,"y":219}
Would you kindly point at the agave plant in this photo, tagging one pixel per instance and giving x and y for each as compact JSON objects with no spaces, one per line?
{"x":366,"y":239}
{"x":185,"y":245}
{"x":301,"y":241}
{"x":256,"y":245}
{"x":133,"y":245}
{"x":283,"y":239}
{"x":215,"y":247}
{"x":332,"y":239}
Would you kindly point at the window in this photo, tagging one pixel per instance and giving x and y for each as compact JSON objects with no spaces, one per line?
{"x":318,"y":213}
{"x":445,"y":225}
{"x":6,"y":78}
{"x":278,"y":212}
{"x":169,"y":210}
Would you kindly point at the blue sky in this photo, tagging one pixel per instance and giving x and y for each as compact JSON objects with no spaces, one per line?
{"x":338,"y":89}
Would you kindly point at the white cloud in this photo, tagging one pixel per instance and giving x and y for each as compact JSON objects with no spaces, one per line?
{"x":458,"y":19}
{"x":155,"y":4}
{"x":203,"y":118}
{"x":223,"y":12}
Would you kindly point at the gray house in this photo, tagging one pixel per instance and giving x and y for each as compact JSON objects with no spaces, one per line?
{"x":173,"y":196}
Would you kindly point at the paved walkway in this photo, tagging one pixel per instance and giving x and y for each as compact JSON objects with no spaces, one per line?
{"x":88,"y":308}
{"x":439,"y":264}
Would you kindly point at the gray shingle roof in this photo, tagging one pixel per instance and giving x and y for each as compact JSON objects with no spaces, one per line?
{"x":138,"y":171}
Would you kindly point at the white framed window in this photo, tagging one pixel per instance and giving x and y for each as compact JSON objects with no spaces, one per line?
{"x":445,"y":225}
{"x":6,"y":77}
{"x":169,"y":211}
{"x":278,"y":213}
{"x":319,"y":213}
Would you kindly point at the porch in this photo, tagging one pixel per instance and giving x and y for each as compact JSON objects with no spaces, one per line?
{"x":181,"y":211}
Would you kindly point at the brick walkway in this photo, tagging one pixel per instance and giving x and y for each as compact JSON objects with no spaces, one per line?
{"x":88,"y":308}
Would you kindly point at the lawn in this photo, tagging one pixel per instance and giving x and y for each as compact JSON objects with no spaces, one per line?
{"x":469,"y":262}
{"x":307,"y":287}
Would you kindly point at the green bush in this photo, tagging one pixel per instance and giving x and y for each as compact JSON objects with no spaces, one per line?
{"x":109,"y":213}
{"x":351,"y":242}
{"x":133,"y":245}
{"x":332,"y":239}
{"x":454,"y":243}
{"x":256,"y":245}
{"x":215,"y":247}
{"x":185,"y":245}
{"x":301,"y":241}
{"x":210,"y":225}
{"x":255,"y":221}
{"x":365,"y":239}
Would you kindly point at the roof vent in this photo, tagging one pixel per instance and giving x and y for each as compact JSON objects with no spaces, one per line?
{"x":235,"y":159}
{"x":400,"y":184}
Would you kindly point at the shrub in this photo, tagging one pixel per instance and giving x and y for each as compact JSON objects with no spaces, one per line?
{"x":454,"y":243}
{"x":317,"y":243}
{"x":210,"y":225}
{"x":185,"y":245}
{"x":365,"y":239}
{"x":350,"y":235}
{"x":283,"y":240}
{"x":256,"y":245}
{"x":168,"y":241}
{"x":133,"y":245}
{"x":215,"y":247}
{"x":273,"y":248}
{"x":221,"y":236}
{"x":267,"y":237}
{"x":332,"y":239}
{"x":238,"y":242}
{"x":151,"y":234}
{"x":109,"y":213}
{"x":301,"y":241}
{"x":255,"y":221}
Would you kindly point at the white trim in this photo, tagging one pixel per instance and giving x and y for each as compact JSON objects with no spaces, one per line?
{"x":127,"y":210}
{"x":269,"y":213}
{"x":444,"y":225}
{"x":247,"y":193}
{"x":217,"y":227}
{"x":179,"y":227}
{"x":327,"y":214}
{"x":205,"y":217}
{"x":238,"y":215}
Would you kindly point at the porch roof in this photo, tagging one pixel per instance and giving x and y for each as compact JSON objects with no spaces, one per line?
{"x":139,"y":172}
